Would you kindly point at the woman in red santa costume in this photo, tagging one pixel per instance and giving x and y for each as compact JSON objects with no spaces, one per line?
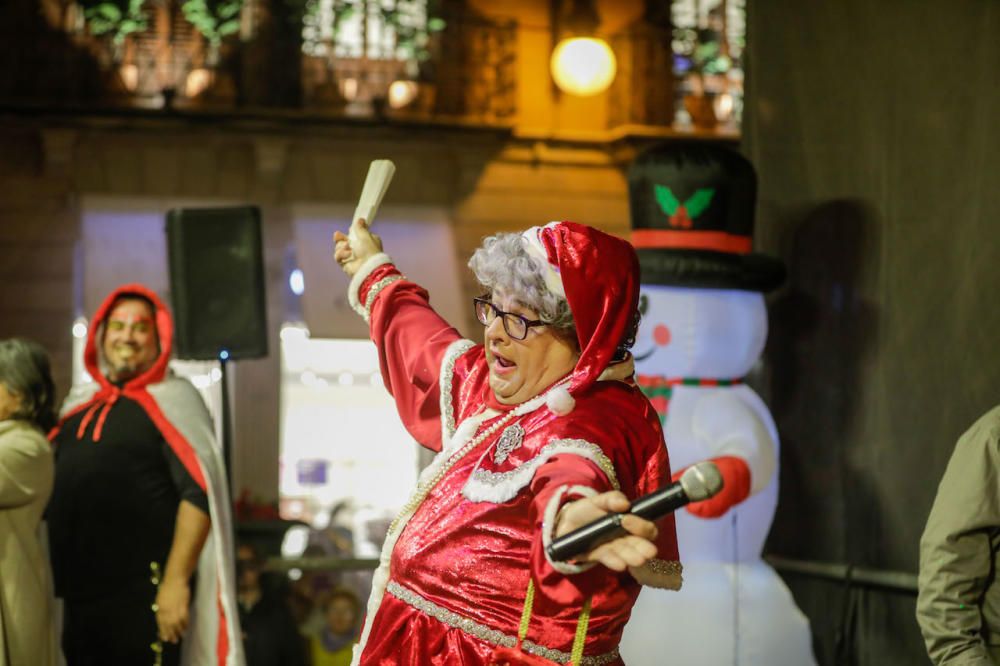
{"x":539,"y":430}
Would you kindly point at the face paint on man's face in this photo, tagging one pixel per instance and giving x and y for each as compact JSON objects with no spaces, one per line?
{"x":130,"y":341}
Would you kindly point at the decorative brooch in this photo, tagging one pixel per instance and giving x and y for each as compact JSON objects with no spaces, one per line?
{"x":510,"y":439}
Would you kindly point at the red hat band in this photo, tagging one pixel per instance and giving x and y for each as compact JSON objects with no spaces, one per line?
{"x":674,"y":239}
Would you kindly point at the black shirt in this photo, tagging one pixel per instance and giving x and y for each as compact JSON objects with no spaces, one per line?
{"x":114,"y":502}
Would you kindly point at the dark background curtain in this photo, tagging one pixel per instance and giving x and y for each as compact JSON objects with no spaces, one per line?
{"x":873,"y":125}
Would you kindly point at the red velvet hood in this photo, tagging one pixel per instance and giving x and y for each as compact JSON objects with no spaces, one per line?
{"x":98,"y":402}
{"x":164,"y":332}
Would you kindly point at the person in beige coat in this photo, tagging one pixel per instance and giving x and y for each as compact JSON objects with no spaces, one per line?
{"x":958,"y":606}
{"x":27,"y":635}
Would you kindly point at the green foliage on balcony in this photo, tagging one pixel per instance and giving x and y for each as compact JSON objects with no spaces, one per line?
{"x":115,"y":18}
{"x":214,"y":19}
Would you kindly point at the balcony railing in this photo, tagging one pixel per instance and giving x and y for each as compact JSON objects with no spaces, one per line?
{"x":463,"y":70}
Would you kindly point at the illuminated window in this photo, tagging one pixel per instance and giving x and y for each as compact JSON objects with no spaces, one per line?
{"x":717,"y":17}
{"x":342,"y":443}
{"x":374,"y":29}
{"x":708,"y":43}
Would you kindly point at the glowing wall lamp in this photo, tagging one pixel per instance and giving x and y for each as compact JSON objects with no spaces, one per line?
{"x":581,"y":63}
{"x":402,"y":93}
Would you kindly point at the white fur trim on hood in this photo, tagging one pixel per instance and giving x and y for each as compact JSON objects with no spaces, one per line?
{"x":536,"y":250}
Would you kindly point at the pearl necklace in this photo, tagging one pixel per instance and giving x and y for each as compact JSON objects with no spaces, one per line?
{"x":423,"y":490}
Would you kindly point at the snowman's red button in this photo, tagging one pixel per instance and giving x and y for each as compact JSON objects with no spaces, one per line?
{"x":661,"y":335}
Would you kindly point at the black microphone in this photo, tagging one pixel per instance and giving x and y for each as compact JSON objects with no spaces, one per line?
{"x":698,"y":482}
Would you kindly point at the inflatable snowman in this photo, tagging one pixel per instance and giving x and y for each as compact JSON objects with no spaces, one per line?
{"x":703,"y":328}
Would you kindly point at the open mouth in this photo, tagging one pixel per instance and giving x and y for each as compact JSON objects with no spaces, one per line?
{"x":502,"y":364}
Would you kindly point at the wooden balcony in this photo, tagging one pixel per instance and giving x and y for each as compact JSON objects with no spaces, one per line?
{"x":464,"y":74}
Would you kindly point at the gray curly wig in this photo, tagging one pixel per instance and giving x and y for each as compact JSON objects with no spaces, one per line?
{"x":503,"y":264}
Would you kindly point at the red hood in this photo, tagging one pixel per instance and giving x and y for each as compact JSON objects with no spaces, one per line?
{"x":164,"y":331}
{"x":600,"y":275}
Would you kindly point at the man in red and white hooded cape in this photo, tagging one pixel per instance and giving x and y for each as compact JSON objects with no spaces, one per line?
{"x":179,"y":414}
{"x":466,"y":551}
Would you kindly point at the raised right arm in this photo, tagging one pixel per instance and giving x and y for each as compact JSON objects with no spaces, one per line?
{"x":412,"y":339}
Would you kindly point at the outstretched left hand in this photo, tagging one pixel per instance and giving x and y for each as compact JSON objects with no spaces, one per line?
{"x":631,"y":550}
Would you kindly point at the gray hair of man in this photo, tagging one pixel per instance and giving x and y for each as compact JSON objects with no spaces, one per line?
{"x":25,"y":371}
{"x":503,"y":264}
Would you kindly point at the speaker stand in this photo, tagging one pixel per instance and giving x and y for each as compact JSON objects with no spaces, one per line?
{"x":227,"y":436}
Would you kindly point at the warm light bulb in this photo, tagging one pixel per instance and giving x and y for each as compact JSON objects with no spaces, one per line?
{"x":130,"y":77}
{"x":402,"y":93}
{"x":583,"y":65}
{"x":349,"y":89}
{"x":197,"y":81}
{"x":724,"y":105}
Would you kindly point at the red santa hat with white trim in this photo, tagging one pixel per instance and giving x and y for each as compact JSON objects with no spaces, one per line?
{"x":598,"y":275}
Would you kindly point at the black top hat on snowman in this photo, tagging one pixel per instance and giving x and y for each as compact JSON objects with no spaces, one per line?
{"x":692,"y":208}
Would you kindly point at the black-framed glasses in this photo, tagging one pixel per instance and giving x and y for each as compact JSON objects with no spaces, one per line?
{"x":515,"y":325}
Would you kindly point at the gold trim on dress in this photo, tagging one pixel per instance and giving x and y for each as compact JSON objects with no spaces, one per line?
{"x":666,"y":567}
{"x":363,"y":273}
{"x":452,"y":354}
{"x":484,"y":633}
{"x":500,"y":487}
{"x":664,"y":574}
{"x":374,"y":291}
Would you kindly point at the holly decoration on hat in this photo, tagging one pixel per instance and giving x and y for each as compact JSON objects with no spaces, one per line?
{"x":681,"y":215}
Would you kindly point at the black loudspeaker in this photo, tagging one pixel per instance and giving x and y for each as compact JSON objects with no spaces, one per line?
{"x":217,"y":283}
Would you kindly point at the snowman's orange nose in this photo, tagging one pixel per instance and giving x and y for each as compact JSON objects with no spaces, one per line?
{"x":661,"y":335}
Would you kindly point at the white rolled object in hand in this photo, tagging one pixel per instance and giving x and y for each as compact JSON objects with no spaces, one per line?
{"x":376,"y":183}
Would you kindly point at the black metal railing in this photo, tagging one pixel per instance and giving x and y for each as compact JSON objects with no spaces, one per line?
{"x":849,"y":574}
{"x":463,"y":70}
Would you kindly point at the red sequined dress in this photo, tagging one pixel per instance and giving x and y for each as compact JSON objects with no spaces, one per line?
{"x":456,"y":563}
